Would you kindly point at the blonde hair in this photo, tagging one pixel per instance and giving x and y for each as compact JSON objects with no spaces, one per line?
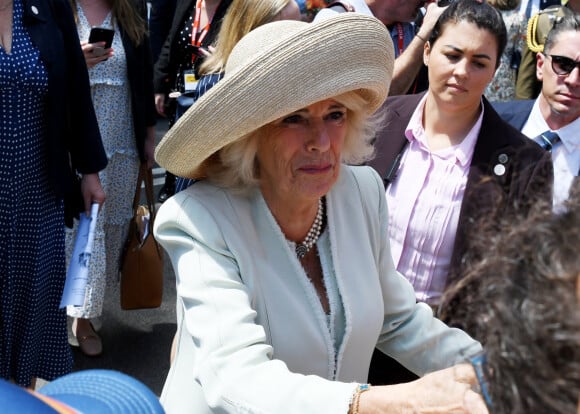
{"x":236,"y":167}
{"x":129,"y":14}
{"x":242,"y":17}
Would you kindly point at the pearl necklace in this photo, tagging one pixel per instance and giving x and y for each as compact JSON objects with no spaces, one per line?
{"x":313,"y":233}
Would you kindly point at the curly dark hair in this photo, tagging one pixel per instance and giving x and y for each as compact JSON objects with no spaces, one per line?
{"x":521,"y":302}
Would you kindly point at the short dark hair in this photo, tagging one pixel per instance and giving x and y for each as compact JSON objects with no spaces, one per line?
{"x":569,"y":21}
{"x":481,"y":14}
{"x":520,"y":302}
{"x":505,"y":4}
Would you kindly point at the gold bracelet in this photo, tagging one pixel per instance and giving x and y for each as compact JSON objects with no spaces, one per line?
{"x":421,"y":38}
{"x":356,"y":398}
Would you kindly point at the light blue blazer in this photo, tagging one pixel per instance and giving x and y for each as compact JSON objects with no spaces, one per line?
{"x":252,"y":335}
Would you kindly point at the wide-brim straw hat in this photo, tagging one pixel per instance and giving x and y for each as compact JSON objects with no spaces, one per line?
{"x":274,"y":70}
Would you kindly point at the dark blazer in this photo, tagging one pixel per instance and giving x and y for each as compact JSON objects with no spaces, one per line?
{"x":168,"y":61}
{"x":160,"y":19}
{"x":528,"y":176}
{"x":140,"y":75}
{"x":72,"y":135}
{"x":515,"y":113}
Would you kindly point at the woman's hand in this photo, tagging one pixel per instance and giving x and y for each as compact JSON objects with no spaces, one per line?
{"x":92,"y":191}
{"x":207,"y":52}
{"x":433,"y":11}
{"x":94,"y":53}
{"x":160,"y":103}
{"x":150,"y":147}
{"x":446,"y":391}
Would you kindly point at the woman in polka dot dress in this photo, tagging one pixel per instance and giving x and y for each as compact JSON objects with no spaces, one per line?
{"x":122,"y":90}
{"x":47,"y":126}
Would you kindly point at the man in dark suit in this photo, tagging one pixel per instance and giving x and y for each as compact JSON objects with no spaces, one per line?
{"x":553,"y":119}
{"x":160,"y":19}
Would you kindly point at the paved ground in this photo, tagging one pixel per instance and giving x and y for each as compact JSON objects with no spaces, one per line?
{"x":137,"y":342}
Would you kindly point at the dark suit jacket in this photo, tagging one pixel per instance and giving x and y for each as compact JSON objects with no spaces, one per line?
{"x":140,"y":75}
{"x":515,"y":113}
{"x":528,"y":170}
{"x":168,"y":61}
{"x":72,"y":135}
{"x":528,"y":176}
{"x":160,"y":19}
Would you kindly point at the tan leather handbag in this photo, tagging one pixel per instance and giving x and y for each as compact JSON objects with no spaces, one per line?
{"x":141,"y":264}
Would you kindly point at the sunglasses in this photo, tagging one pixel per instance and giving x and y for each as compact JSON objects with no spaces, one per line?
{"x":562,"y":65}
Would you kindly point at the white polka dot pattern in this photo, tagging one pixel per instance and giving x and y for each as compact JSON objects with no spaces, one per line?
{"x":33,"y":336}
{"x":112,"y":101}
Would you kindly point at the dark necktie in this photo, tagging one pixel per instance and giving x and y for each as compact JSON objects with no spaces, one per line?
{"x":547,"y":140}
{"x":574,"y":193}
{"x":529,"y":9}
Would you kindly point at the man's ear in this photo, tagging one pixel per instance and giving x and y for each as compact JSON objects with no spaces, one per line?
{"x":540,"y":62}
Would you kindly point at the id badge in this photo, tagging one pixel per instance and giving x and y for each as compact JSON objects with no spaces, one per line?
{"x":189,"y":80}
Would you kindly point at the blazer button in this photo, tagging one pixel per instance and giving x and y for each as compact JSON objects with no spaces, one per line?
{"x":499,"y":170}
{"x":503,"y":158}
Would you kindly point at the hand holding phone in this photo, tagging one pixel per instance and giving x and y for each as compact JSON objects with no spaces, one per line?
{"x":101,"y":34}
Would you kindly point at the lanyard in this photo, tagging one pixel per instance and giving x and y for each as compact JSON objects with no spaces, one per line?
{"x":196,"y":36}
{"x":400,"y":38}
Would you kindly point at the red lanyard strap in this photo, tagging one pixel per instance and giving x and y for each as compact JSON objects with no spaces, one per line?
{"x":197,"y":36}
{"x":400,"y":38}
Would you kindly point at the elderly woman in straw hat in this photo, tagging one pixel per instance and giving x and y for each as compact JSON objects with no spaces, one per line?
{"x":285,"y":279}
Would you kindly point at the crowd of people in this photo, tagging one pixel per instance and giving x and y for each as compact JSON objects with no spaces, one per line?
{"x":362,"y":213}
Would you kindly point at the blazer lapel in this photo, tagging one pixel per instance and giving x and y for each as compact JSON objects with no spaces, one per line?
{"x":492,"y":158}
{"x":287,"y":292}
{"x":353,"y":224}
{"x":515,"y":113}
{"x":390,"y":139}
{"x":43,"y":33}
{"x":36,"y":10}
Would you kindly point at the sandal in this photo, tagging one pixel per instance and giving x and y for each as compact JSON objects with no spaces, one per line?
{"x":89,"y":344}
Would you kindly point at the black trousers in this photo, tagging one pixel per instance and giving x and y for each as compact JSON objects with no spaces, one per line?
{"x":384,"y":370}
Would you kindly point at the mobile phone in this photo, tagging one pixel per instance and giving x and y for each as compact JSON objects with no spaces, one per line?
{"x":102,"y":34}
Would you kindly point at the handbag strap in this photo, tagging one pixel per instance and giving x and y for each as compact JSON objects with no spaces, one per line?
{"x":146,"y":177}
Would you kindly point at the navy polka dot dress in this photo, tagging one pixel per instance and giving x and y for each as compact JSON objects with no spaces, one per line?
{"x":33,"y":336}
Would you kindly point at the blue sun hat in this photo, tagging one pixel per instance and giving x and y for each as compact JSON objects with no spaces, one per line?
{"x":94,"y":391}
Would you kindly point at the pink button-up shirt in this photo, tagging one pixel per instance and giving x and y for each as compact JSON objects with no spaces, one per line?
{"x":424,"y":204}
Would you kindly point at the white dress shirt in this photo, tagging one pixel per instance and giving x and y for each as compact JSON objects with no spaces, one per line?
{"x":565,"y":155}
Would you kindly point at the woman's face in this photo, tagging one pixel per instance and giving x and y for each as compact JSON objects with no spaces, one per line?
{"x":461,"y":63}
{"x":299,"y":154}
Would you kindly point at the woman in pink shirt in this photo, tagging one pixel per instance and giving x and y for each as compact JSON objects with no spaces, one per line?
{"x":447,"y":158}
